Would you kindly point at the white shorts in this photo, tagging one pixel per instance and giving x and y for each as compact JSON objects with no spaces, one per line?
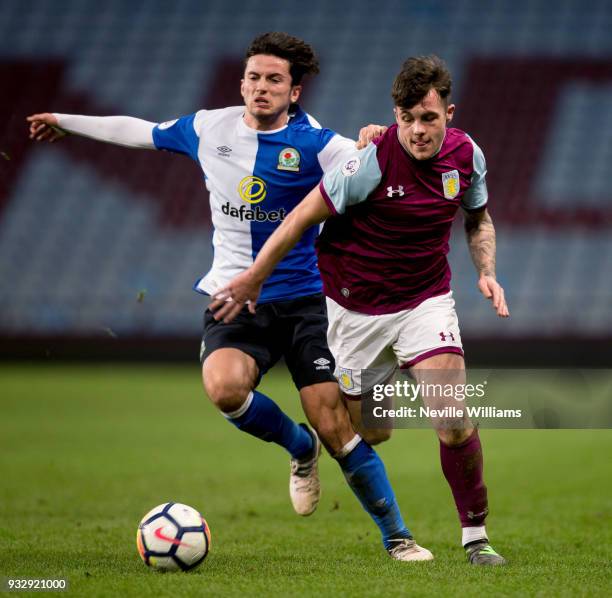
{"x":382,"y":343}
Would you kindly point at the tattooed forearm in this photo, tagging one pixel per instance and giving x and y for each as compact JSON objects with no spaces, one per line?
{"x":481,"y":241}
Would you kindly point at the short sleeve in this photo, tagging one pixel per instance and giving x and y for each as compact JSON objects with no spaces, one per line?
{"x":178,"y":136}
{"x":337,"y":151}
{"x":353,"y":181}
{"x":477,"y":196}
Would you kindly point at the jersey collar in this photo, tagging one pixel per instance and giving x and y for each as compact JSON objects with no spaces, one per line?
{"x":296,"y":116}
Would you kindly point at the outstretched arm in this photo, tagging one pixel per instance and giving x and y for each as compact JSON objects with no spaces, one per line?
{"x":481,"y":242}
{"x":245,"y":287}
{"x":119,"y":130}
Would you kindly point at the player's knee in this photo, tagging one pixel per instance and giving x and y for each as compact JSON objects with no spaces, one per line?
{"x":226,"y":393}
{"x":226,"y":396}
{"x":373,"y":437}
{"x":453,"y":436}
{"x":229,"y":376}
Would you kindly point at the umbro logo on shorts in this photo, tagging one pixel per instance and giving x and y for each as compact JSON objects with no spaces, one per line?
{"x":322,"y":363}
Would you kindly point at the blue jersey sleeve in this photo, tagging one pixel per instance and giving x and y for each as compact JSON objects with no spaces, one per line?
{"x":178,"y":136}
{"x":325,"y":137}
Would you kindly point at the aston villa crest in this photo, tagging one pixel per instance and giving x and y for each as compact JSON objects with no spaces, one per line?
{"x":450,"y":184}
{"x":345,"y":378}
{"x":289,"y":159}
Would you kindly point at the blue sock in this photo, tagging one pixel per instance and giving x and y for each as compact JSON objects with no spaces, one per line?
{"x":366,"y":475}
{"x":260,"y":416}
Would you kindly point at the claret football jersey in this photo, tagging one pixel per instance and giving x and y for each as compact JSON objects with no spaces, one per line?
{"x":255,"y":178}
{"x":384,"y":248}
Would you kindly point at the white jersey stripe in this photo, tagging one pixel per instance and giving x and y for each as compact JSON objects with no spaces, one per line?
{"x":255,"y":178}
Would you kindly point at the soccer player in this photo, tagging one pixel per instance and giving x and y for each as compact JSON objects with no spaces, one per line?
{"x":382,"y":257}
{"x":260,"y":159}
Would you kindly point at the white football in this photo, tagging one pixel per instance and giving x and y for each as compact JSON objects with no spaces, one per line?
{"x":173,"y":537}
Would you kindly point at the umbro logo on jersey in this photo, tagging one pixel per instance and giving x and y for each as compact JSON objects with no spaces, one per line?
{"x":322,"y":363}
{"x":399,"y":192}
{"x":224,"y":151}
{"x":167,"y":124}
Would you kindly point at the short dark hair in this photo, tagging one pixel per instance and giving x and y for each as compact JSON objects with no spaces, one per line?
{"x":418,"y":75}
{"x":300,"y":55}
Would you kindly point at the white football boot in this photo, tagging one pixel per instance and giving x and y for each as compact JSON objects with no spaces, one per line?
{"x":304,"y":485}
{"x":406,"y":549}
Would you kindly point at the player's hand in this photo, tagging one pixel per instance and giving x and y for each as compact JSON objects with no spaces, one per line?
{"x":44,"y":127}
{"x":368,"y":133}
{"x":228,"y":302}
{"x":492,"y":290}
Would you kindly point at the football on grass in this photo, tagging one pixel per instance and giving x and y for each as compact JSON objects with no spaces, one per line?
{"x":173,"y":537}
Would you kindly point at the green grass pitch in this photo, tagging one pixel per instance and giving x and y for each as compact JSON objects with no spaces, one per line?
{"x":86,"y":451}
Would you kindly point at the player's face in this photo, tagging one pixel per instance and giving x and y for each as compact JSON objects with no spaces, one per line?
{"x":267,"y":91}
{"x":421,"y":129}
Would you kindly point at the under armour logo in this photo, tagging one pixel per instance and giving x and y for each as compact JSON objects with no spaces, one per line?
{"x":391,"y":192}
{"x":445,"y":336}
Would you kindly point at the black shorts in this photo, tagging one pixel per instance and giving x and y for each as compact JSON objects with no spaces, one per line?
{"x":295,"y":329}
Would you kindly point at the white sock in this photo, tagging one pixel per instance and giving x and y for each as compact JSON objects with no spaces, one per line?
{"x":348,"y":447}
{"x":471,"y":534}
{"x":241,"y":410}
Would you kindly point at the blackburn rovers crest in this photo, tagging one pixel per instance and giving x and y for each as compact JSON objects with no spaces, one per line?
{"x":289,"y":159}
{"x":450,"y":184}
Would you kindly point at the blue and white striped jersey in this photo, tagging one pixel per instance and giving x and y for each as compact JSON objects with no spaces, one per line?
{"x":255,"y":178}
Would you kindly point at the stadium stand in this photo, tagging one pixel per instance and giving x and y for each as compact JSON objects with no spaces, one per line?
{"x":86,"y":229}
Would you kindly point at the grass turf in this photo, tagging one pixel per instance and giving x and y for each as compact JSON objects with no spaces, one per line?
{"x":86,"y":451}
